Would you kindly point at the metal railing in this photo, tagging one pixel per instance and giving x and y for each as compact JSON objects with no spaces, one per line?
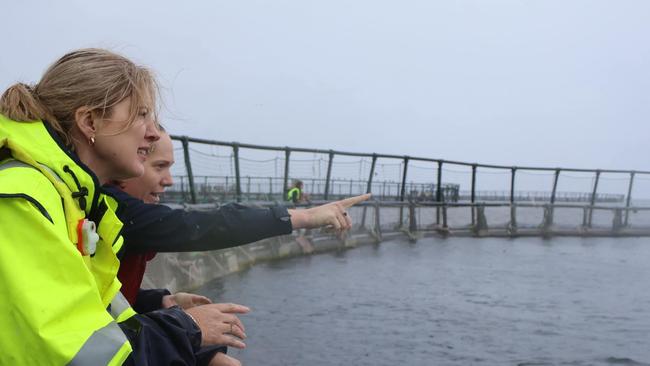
{"x":223,"y":188}
{"x":402,"y":195}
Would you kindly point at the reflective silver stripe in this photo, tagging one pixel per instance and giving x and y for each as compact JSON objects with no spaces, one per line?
{"x":56,"y":176}
{"x":119,"y":304}
{"x":101,"y":347}
{"x":15,"y":164}
{"x":19,"y":164}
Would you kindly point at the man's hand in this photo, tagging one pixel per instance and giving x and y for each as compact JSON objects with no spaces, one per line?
{"x":184,"y":300}
{"x":219,"y":325}
{"x":332,"y":215}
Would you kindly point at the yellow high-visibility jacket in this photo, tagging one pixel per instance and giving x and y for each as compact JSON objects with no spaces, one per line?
{"x":54,"y":299}
{"x":294,"y":194}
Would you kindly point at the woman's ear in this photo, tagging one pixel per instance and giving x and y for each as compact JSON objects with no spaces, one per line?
{"x":84,"y":119}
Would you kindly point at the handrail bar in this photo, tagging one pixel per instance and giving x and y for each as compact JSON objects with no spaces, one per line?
{"x":391,"y":156}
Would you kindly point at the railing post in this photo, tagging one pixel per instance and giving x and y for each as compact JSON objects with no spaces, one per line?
{"x":439,"y":179}
{"x":329,"y":174}
{"x":513,"y":171}
{"x":481,"y":226}
{"x":377,"y":230}
{"x":472,"y":198}
{"x":555,"y":180}
{"x":512,"y":227}
{"x":372,"y":173}
{"x":369,"y":187}
{"x":188,"y":167}
{"x":285,"y":187}
{"x":629,"y":196}
{"x":549,"y":211}
{"x":444,"y":217}
{"x":617,"y":222}
{"x":593,"y":198}
{"x":439,"y":191}
{"x":403,"y":190}
{"x":473,"y":194}
{"x":235,"y":151}
{"x":413,"y":226}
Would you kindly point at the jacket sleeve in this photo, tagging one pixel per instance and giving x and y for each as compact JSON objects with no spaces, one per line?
{"x":53,"y":306}
{"x":162,"y":337}
{"x":172,"y":321}
{"x":149,"y":299}
{"x":150,"y":227}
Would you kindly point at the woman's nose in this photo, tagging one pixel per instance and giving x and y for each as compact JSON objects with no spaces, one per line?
{"x":152,"y":134}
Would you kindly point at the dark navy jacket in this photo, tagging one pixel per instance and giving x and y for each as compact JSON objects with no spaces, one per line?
{"x":169,"y":336}
{"x":158,"y":228}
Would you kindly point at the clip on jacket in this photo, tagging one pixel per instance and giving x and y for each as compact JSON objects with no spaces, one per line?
{"x":88,"y":238}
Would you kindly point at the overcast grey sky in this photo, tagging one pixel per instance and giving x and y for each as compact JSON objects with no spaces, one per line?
{"x":550,"y":83}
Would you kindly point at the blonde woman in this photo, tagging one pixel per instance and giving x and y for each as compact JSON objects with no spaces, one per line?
{"x":90,"y":120}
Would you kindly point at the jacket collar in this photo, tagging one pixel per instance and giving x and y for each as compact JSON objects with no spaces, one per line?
{"x":38,"y":141}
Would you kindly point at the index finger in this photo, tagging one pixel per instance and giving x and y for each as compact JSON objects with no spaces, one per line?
{"x":201,"y":300}
{"x":349,"y":202}
{"x":232,"y":308}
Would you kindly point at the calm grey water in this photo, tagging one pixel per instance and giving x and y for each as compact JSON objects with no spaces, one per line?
{"x":459,"y":301}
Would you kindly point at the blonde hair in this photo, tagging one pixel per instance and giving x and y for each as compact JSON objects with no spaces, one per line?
{"x":94,"y":78}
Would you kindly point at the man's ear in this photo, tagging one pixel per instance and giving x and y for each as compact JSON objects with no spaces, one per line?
{"x":85,"y":121}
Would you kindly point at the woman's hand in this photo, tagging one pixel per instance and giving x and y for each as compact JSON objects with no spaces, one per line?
{"x":219,"y":325}
{"x":331,"y":215}
{"x":184,"y":300}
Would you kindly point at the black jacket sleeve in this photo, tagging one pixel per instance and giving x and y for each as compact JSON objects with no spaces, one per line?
{"x":162,"y":337}
{"x":151,"y":227}
{"x":149,"y":300}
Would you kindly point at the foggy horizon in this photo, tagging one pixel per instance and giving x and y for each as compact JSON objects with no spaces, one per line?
{"x":550,"y":84}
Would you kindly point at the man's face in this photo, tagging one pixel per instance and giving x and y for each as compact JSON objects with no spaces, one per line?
{"x":157,"y":176}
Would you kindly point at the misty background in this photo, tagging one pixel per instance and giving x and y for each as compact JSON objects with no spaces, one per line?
{"x":530,"y":83}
